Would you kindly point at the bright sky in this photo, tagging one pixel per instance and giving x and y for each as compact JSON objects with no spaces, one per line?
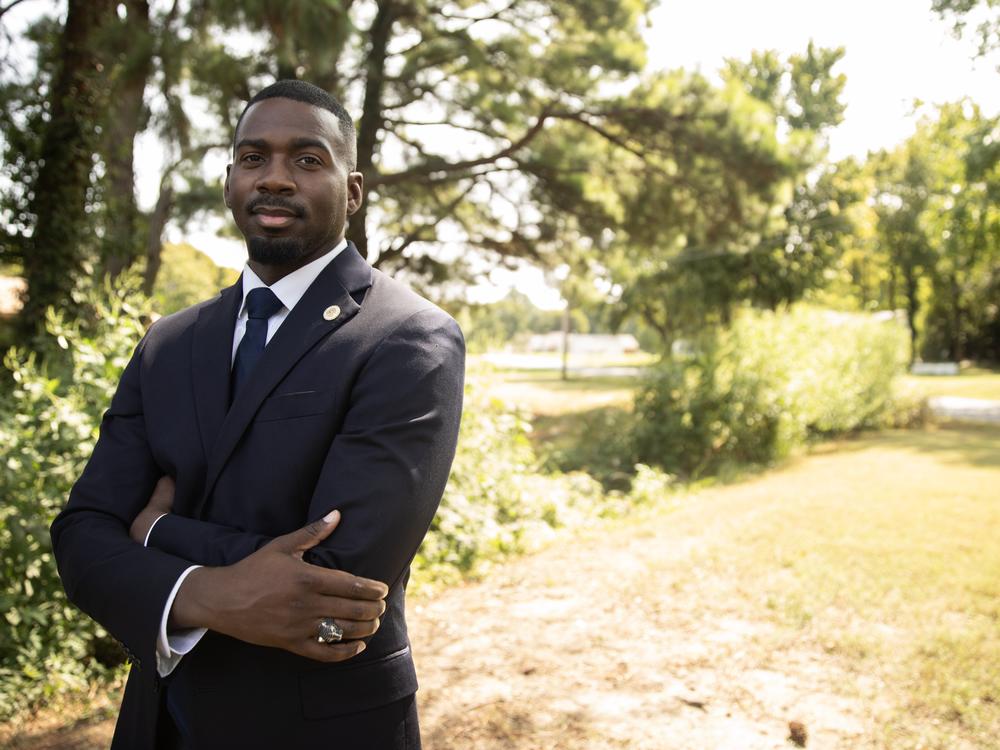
{"x":897,"y":51}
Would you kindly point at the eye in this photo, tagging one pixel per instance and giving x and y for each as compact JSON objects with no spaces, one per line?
{"x":251,"y":158}
{"x":310,"y":161}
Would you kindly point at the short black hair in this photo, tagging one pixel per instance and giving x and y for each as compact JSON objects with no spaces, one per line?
{"x":302,"y":91}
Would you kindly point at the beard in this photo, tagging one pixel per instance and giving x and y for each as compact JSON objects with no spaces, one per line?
{"x":276,"y":251}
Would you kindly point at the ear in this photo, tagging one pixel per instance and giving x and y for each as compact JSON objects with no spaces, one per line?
{"x":225,"y":186}
{"x":355,"y":192}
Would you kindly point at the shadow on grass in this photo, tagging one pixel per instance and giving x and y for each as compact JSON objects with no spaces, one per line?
{"x":955,"y":442}
{"x":596,"y":441}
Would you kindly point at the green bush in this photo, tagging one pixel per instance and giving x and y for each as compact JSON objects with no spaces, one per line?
{"x":48,"y":424}
{"x":498,"y":502}
{"x":187,"y":276}
{"x":751,"y":394}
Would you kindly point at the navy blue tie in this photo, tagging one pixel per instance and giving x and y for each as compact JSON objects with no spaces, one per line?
{"x":261,"y":305}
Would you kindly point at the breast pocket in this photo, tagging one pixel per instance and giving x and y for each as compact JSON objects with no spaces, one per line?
{"x":294,"y":405}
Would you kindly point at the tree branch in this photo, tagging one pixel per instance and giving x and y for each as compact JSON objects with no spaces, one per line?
{"x":430,"y":169}
{"x":8,"y":6}
{"x":417,"y":234}
{"x":482,"y":130}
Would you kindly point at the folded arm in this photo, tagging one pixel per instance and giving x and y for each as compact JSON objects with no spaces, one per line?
{"x":116,"y":581}
{"x":126,"y":586}
{"x":385,"y":470}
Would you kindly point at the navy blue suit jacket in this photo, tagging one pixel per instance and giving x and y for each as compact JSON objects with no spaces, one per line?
{"x":359,"y":413}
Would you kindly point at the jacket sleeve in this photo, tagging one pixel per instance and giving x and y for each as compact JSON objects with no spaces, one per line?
{"x":119,"y":583}
{"x":385,"y":470}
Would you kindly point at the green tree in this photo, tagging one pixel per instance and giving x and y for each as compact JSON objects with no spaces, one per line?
{"x":58,"y":200}
{"x":69,"y":168}
{"x":938,"y":231}
{"x":130,"y":57}
{"x":987,"y":20}
{"x":456,"y":106}
{"x":731,"y":211}
{"x":963,"y":224}
{"x":454,"y":102}
{"x":901,"y":198}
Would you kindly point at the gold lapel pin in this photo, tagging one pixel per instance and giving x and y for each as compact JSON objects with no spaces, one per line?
{"x":332,"y":312}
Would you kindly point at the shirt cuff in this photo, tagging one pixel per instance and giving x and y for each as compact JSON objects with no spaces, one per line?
{"x":170,"y":649}
{"x":145,"y":542}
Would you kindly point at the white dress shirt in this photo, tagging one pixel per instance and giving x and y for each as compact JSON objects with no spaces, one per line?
{"x":171,"y":647}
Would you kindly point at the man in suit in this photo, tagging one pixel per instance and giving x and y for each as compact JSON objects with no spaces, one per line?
{"x":277,"y":454}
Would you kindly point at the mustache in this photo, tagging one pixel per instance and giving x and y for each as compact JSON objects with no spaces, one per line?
{"x":275,"y":201}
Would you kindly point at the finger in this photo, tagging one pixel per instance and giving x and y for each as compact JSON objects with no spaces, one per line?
{"x":331,"y":652}
{"x":348,"y":609}
{"x":309,"y":535}
{"x":341,"y":583}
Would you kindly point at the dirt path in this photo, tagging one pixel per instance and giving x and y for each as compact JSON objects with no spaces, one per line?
{"x":579,"y":647}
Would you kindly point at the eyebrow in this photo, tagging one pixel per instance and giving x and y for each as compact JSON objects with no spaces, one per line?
{"x":301,"y":143}
{"x":297,"y":144}
{"x":251,"y":143}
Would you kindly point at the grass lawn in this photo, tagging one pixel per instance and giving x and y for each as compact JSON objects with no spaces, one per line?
{"x":884,"y":553}
{"x":975,"y":382}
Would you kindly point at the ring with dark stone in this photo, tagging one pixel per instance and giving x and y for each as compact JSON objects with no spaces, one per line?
{"x":329,"y":631}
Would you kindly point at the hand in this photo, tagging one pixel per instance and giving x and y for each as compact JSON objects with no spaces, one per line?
{"x":274,"y":598}
{"x":160,"y":502}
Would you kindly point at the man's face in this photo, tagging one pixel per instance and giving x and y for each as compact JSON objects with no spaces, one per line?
{"x":290,"y":186}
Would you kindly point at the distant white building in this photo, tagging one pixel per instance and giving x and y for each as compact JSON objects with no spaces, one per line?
{"x":584,"y":343}
{"x":12,"y":289}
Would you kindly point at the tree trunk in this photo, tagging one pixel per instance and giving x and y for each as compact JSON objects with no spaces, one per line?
{"x":371,"y":114}
{"x":891,"y":289}
{"x":662,"y":328}
{"x":957,"y":343}
{"x":122,"y":243}
{"x":61,"y":234}
{"x":912,"y":308}
{"x":565,"y":342}
{"x":154,"y":241}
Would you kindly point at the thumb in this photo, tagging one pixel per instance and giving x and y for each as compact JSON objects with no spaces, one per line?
{"x":298,"y":541}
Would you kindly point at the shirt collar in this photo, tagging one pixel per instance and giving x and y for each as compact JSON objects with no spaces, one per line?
{"x":289,"y":289}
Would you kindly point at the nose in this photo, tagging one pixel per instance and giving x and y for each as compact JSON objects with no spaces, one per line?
{"x":275,"y":178}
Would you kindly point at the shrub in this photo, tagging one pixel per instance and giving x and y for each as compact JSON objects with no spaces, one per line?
{"x":497,"y":501}
{"x":48,"y":424}
{"x":753,"y":393}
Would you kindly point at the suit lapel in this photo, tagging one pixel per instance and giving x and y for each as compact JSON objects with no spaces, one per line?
{"x":338,"y":284}
{"x":211,"y":361}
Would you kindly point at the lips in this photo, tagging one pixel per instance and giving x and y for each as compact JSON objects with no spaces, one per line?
{"x":274,"y":217}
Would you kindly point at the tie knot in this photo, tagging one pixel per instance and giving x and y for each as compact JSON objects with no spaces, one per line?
{"x":262,"y":303}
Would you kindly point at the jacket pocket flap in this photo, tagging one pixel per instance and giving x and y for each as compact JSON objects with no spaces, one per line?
{"x":290,"y":405}
{"x":338,"y":689}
